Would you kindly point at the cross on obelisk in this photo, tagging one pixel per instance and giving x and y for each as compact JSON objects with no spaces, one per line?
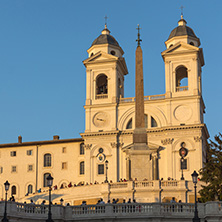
{"x":138,"y":35}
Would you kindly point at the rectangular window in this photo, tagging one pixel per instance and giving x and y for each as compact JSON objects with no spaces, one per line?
{"x":1,"y":170}
{"x":13,"y":153}
{"x":183,"y":164}
{"x":29,"y":152}
{"x":63,"y":149}
{"x":100,"y":169}
{"x":30,"y":167}
{"x":64,"y":165}
{"x":14,"y":169}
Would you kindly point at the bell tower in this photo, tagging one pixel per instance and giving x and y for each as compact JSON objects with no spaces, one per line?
{"x":105,"y":71}
{"x":183,"y":61}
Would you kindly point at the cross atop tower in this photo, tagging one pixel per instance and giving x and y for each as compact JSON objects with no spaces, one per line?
{"x":138,"y":35}
{"x":181,"y":8}
{"x":105,"y":21}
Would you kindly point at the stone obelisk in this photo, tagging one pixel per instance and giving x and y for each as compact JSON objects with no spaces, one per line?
{"x":139,"y":135}
{"x":138,"y":155}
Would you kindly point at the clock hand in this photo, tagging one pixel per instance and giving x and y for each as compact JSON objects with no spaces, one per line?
{"x":100,"y":119}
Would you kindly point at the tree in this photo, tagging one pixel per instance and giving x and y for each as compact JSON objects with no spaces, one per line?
{"x":211,"y":173}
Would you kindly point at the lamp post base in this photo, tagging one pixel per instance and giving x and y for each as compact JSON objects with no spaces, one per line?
{"x":49,"y":220}
{"x":4,"y":219}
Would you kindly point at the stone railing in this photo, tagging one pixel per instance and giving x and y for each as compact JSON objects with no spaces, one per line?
{"x":31,"y":208}
{"x":142,"y":191}
{"x":132,"y":99}
{"x":102,"y":96}
{"x":144,"y":184}
{"x":169,"y":183}
{"x":210,"y":211}
{"x":181,"y":88}
{"x":118,"y":185}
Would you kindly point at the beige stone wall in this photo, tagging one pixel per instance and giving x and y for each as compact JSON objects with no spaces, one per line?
{"x":22,"y":177}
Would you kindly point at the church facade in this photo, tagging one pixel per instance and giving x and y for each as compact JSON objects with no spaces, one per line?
{"x":173,"y":121}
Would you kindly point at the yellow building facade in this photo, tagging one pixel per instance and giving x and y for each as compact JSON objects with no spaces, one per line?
{"x":173,"y":120}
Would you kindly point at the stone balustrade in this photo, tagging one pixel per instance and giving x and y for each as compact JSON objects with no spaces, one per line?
{"x":132,"y":99}
{"x":210,"y":211}
{"x":181,"y":88}
{"x":142,"y":191}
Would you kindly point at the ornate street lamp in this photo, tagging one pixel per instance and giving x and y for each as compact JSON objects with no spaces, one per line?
{"x":106,"y":163}
{"x":194,"y":177}
{"x":181,"y":164}
{"x":49,"y":184}
{"x":7,"y":184}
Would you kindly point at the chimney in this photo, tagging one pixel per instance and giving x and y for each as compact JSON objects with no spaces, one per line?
{"x":55,"y":137}
{"x":19,"y":139}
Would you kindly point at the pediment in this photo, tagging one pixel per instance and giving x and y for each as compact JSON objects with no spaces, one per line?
{"x":180,"y":47}
{"x":100,"y":57}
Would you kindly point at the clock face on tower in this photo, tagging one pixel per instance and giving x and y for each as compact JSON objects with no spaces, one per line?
{"x":100,"y":119}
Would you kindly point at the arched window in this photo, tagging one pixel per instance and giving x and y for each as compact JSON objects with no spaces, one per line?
{"x":82,"y":168}
{"x":191,"y":43}
{"x":30,"y":188}
{"x":129,"y":124}
{"x":45,"y":179}
{"x":14,"y":190}
{"x":153,"y":122}
{"x":47,"y":160}
{"x":82,"y":150}
{"x":101,"y":85}
{"x":181,"y":79}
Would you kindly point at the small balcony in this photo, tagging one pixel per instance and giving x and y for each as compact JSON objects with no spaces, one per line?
{"x":181,"y":88}
{"x":102,"y":96}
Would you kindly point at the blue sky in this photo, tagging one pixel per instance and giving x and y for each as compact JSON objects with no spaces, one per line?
{"x":43,"y":44}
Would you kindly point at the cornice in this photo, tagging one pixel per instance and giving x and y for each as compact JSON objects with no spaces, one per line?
{"x":149,"y":131}
{"x":103,"y":133}
{"x":36,"y":143}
